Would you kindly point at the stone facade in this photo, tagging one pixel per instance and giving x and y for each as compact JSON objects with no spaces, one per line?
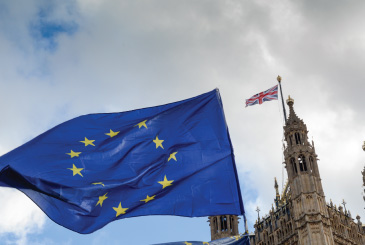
{"x":301,"y":214}
{"x":223,"y":226}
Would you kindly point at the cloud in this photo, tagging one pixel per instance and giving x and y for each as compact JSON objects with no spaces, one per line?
{"x":78,"y":57}
{"x":19,"y":217}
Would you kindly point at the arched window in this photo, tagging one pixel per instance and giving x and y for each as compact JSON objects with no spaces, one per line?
{"x":297,"y":139}
{"x":223,"y":223}
{"x":302,"y":163}
{"x":291,"y":139}
{"x":294,"y":166}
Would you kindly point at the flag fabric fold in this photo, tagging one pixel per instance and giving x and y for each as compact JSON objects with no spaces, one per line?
{"x":270,"y":94}
{"x":233,"y":240}
{"x":174,"y":159}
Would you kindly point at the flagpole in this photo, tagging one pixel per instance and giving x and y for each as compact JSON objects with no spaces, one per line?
{"x":282,"y":100}
{"x":245,"y":220}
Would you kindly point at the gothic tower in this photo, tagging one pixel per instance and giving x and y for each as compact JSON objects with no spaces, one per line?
{"x":223,"y":226}
{"x":310,"y":213}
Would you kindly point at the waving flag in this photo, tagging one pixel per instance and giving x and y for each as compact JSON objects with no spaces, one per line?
{"x":174,"y":159}
{"x":233,"y":240}
{"x":270,"y":94}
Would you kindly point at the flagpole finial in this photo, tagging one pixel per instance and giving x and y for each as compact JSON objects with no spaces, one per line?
{"x":279,"y":78}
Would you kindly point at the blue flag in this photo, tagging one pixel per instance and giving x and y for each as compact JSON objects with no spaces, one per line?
{"x":174,"y":159}
{"x":233,"y":240}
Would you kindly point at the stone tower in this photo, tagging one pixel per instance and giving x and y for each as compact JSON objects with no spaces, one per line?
{"x":301,"y":215}
{"x":223,"y":226}
{"x":309,"y":209}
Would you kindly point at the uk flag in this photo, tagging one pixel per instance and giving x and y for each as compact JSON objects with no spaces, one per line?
{"x":270,"y":94}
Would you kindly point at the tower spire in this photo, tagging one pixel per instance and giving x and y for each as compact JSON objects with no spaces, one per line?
{"x":292,"y":115}
{"x":277,"y":197}
{"x":309,"y":205}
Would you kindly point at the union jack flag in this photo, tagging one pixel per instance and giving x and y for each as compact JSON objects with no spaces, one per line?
{"x":270,"y":94}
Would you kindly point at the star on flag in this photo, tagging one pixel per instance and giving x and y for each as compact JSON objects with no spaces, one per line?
{"x":165,"y":183}
{"x":120,"y":210}
{"x":148,"y":198}
{"x":172,"y":156}
{"x":112,"y":133}
{"x":76,"y":170}
{"x":158,"y":142}
{"x":143,"y":123}
{"x":74,"y":154}
{"x":101,"y":200}
{"x":88,"y":142}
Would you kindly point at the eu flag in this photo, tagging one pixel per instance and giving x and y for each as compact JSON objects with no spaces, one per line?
{"x":233,"y":240}
{"x":174,"y":159}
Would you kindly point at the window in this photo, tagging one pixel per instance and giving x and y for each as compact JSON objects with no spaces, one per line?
{"x":302,"y":163}
{"x":297,"y":139}
{"x":294,"y":166}
{"x":223,"y":223}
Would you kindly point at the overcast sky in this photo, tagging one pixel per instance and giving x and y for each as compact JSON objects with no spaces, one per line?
{"x":74,"y":57}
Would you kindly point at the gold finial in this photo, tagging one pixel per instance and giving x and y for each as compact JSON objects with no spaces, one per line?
{"x":279,"y":78}
{"x":289,"y":100}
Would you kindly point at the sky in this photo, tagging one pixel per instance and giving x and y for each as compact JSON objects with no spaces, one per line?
{"x":68,"y":58}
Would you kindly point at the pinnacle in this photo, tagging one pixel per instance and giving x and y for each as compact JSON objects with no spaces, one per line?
{"x":292,"y":115}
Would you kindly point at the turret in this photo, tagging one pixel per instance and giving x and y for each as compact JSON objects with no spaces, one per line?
{"x":309,"y":206}
{"x":300,"y":156}
{"x":223,"y":226}
{"x":277,"y":197}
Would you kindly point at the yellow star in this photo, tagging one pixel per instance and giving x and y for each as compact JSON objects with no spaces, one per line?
{"x":74,"y":154}
{"x":205,"y":243}
{"x":172,"y":156}
{"x":98,"y":183}
{"x":88,"y":142}
{"x":120,"y":210}
{"x":148,"y":199}
{"x":165,"y":182}
{"x":158,"y":142}
{"x":188,"y":243}
{"x":101,"y":200}
{"x":76,"y":170}
{"x":112,"y":134}
{"x":237,"y":237}
{"x":141,"y":124}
